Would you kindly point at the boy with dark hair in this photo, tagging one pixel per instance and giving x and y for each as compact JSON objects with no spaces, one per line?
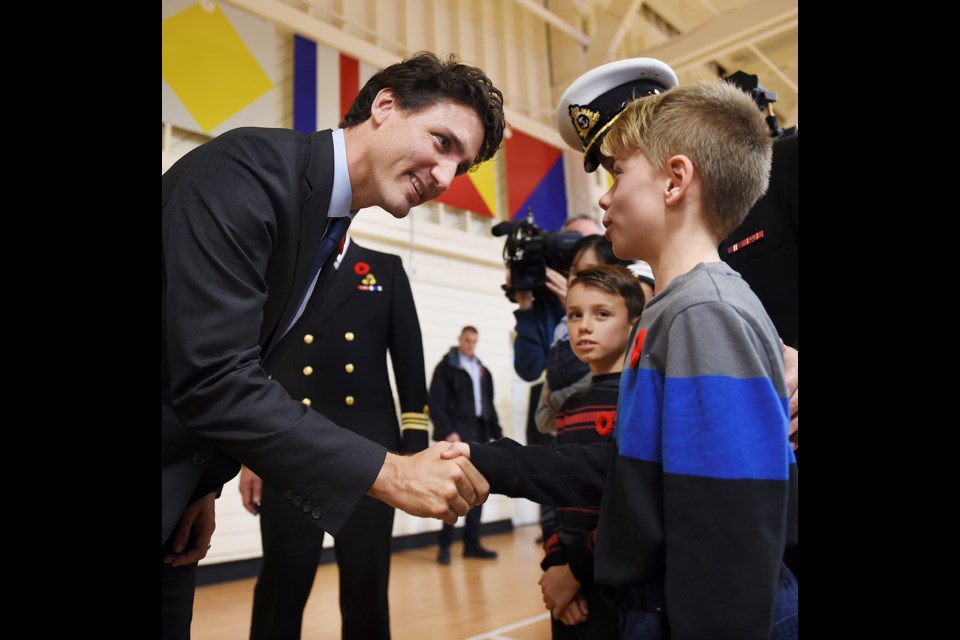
{"x":700,"y":500}
{"x":603,"y":303}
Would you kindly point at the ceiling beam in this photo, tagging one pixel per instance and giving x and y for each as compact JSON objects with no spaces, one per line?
{"x":625,"y":26}
{"x":774,"y":68}
{"x":553,"y":19}
{"x":613,"y":23}
{"x":727,"y":33}
{"x":307,"y":25}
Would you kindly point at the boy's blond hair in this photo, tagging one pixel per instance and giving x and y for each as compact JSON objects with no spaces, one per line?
{"x":719,"y":128}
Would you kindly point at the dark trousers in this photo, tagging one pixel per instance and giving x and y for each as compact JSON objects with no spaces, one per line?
{"x":176,"y":597}
{"x":471,"y":531}
{"x":292,"y":545}
{"x":642,"y":616}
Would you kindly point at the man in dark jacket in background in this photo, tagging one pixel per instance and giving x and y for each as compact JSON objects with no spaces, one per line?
{"x":461,"y":407}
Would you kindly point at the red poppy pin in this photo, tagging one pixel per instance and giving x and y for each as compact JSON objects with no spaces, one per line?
{"x":638,"y":348}
{"x":604,"y":424}
{"x":361,"y":268}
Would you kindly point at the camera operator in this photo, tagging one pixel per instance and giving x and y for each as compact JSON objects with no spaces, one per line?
{"x":538,"y":315}
{"x":540,"y":310}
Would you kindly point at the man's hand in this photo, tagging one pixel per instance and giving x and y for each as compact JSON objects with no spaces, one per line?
{"x":428,"y":485}
{"x":524,"y":298}
{"x":791,"y":361}
{"x":557,"y":284}
{"x":575,"y":612}
{"x":195,"y":528}
{"x":559,"y":587}
{"x":251,"y":490}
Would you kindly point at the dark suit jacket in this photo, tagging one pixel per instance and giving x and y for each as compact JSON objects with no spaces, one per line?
{"x":452,"y":408}
{"x":242,"y":219}
{"x":771,"y":265}
{"x":367,"y":308}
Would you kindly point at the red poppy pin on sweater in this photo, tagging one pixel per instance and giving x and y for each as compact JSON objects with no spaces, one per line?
{"x":604,"y":423}
{"x":638,"y":348}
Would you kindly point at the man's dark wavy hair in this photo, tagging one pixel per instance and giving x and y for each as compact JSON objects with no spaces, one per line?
{"x":423,"y":80}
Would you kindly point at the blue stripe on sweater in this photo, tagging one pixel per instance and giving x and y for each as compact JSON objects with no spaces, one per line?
{"x":710,"y":426}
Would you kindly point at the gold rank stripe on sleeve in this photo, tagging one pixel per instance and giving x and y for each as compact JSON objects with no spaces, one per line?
{"x":413,"y":420}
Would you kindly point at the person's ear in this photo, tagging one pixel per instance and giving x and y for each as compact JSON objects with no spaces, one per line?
{"x":679,"y":172}
{"x":384,"y":103}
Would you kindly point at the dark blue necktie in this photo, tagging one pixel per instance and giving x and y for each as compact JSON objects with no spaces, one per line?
{"x":336,"y":230}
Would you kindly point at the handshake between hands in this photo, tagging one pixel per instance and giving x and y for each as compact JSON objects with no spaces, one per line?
{"x":439,"y":482}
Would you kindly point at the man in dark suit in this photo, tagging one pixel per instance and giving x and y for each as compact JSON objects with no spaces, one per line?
{"x":461,"y":407}
{"x":243,"y":223}
{"x":765,"y":248}
{"x":368,"y":309}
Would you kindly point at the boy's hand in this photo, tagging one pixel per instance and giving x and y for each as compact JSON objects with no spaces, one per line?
{"x":428,"y":485}
{"x":791,"y":362}
{"x":559,"y":587}
{"x":456,"y":450}
{"x":575,"y":612}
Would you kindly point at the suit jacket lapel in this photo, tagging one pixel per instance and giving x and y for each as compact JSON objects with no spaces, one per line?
{"x":313,"y":221}
{"x":341,"y":284}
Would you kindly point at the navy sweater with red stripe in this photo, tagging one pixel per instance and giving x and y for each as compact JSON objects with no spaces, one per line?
{"x":585,"y":418}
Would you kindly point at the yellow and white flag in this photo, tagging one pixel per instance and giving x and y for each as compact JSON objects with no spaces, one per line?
{"x":218,"y":67}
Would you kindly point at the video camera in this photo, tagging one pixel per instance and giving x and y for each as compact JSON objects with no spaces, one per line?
{"x":529,"y":250}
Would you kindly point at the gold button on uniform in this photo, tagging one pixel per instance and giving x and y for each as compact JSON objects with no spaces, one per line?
{"x":349,"y":400}
{"x":308,"y":338}
{"x":308,"y":370}
{"x":307,"y":401}
{"x":348,"y":368}
{"x":348,"y":336}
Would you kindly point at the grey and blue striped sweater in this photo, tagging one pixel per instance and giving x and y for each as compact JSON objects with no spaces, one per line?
{"x":699,"y":491}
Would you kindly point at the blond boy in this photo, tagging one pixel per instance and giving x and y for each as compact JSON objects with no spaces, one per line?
{"x":700,"y":499}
